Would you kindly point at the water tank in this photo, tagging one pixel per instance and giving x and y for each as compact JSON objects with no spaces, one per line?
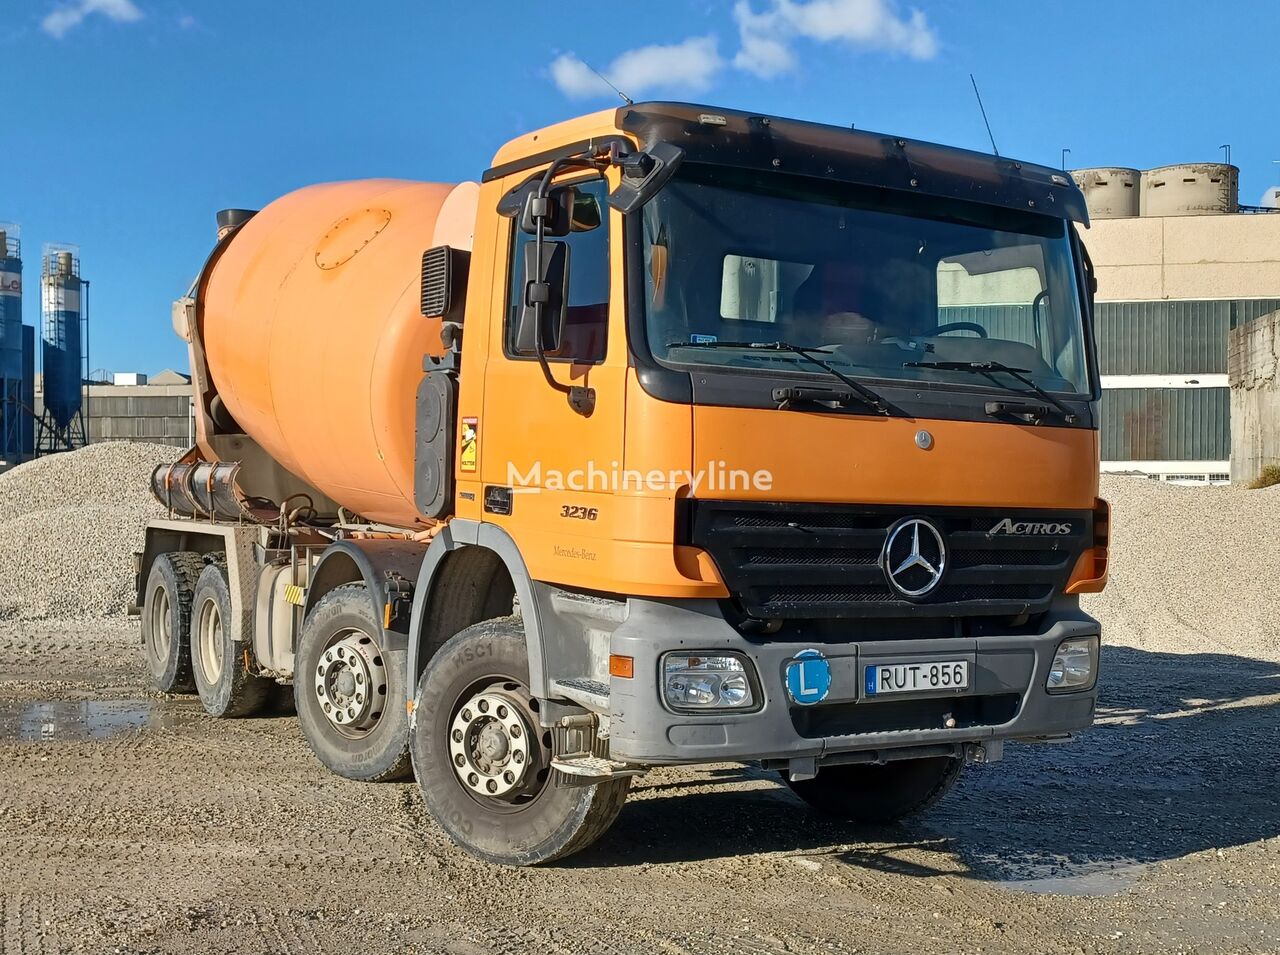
{"x":1191,"y":189}
{"x":313,"y":332}
{"x":60,"y":353}
{"x":1110,"y":192}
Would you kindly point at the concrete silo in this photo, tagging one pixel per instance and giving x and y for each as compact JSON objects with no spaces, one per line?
{"x":1110,"y":192}
{"x":1191,"y":189}
{"x":62,"y":353}
{"x":12,"y":414}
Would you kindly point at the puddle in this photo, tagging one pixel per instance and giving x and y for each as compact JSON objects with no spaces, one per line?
{"x":37,"y":722}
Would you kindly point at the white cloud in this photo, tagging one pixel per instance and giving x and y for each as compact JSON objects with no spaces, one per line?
{"x":690,"y":66}
{"x":67,"y":16}
{"x":767,"y":37}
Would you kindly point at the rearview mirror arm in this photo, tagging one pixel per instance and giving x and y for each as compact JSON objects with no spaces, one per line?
{"x":582,"y":400}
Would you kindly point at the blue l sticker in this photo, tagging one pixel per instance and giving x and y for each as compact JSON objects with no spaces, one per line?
{"x":808,"y":677}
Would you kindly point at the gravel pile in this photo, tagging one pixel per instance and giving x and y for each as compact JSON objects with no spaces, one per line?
{"x":1193,"y":569}
{"x":69,"y":524}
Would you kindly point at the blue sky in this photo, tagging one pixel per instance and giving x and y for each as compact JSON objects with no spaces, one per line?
{"x":127,"y":123}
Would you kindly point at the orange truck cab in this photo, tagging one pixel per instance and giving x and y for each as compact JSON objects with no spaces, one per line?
{"x":686,"y":435}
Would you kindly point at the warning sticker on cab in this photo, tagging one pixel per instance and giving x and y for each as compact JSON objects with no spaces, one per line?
{"x":470,"y":452}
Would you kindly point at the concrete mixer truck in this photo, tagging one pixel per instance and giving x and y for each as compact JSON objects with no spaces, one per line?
{"x":685,"y":435}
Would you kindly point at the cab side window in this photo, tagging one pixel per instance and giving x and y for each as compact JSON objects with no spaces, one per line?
{"x":587,"y":320}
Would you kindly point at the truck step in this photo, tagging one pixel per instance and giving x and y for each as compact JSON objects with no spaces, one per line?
{"x":592,"y":694}
{"x":588,"y":769}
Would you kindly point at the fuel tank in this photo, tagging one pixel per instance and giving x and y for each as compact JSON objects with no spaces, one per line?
{"x":313,"y":336}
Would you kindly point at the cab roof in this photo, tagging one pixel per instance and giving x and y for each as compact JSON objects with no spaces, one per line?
{"x":727,"y":137}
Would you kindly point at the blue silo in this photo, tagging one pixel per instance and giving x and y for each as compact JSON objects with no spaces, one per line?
{"x":61,"y":353}
{"x":12,"y":415}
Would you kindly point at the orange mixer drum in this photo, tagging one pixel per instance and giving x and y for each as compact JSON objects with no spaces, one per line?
{"x":314,"y":336}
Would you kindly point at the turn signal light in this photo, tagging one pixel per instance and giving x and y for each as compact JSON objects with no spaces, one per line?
{"x":622,"y":667}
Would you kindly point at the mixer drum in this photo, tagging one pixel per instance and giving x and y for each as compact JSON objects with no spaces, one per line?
{"x":314,"y":337}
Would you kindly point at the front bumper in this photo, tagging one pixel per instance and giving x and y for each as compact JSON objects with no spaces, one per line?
{"x":1006,"y":698}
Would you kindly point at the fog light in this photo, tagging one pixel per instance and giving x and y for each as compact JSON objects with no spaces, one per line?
{"x":1074,"y":665}
{"x":697,"y":682}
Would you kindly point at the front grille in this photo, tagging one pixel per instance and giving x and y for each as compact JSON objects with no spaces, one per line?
{"x":814,"y":561}
{"x":896,"y":716}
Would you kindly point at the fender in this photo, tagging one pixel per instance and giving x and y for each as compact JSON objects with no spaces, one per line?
{"x":466,"y":533}
{"x":376,"y":562}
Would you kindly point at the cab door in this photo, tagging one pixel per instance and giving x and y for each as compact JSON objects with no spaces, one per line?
{"x":548,"y":469}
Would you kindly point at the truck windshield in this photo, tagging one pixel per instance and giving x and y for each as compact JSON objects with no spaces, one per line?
{"x":890,"y":288}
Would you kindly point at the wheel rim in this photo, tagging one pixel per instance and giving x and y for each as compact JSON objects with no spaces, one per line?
{"x":496,"y":748}
{"x":160,"y":630}
{"x":209,"y":634}
{"x":351,"y":683}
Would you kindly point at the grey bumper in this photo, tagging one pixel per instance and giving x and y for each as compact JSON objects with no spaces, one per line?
{"x":1006,"y":698}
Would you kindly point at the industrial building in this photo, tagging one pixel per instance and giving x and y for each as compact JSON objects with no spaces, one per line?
{"x":135,"y":407}
{"x":1180,"y":263}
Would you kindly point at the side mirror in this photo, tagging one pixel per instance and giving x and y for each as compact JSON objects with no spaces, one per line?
{"x":557,"y":209}
{"x":550,"y":289}
{"x":643,"y":174}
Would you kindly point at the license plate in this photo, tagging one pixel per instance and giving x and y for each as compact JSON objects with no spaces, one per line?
{"x":916,"y":677}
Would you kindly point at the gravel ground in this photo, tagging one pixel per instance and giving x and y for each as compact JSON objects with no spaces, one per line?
{"x":133,"y":823}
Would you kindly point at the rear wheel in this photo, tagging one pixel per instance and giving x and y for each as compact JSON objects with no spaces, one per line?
{"x":166,"y":620}
{"x":483,"y":761}
{"x":350,"y":691}
{"x":218,"y":663}
{"x":874,"y":794}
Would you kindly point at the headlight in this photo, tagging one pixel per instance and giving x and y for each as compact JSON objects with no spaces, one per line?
{"x":1074,"y":665}
{"x":701,"y":682}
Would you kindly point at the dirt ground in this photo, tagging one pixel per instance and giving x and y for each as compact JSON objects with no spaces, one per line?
{"x":134,"y":823}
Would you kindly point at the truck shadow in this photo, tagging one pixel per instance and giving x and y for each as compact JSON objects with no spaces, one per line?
{"x":1183,"y":759}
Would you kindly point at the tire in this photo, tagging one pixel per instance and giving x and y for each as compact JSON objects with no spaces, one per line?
{"x":226,"y":687}
{"x":541,"y":820}
{"x":369,"y":740}
{"x":878,"y":794}
{"x":166,"y":621}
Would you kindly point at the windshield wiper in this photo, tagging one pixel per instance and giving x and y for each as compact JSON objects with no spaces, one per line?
{"x":989,"y":368}
{"x":868,"y":397}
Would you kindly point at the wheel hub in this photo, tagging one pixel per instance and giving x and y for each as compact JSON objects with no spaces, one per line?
{"x":211,"y":642}
{"x":351,"y":683}
{"x":161,"y":635}
{"x":489,"y":744}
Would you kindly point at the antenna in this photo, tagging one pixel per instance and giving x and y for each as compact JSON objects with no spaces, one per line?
{"x":1066,"y":151}
{"x":984,"y":114}
{"x":625,"y":98}
{"x":1226,"y":147}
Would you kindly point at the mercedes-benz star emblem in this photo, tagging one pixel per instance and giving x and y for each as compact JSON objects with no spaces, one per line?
{"x":914,"y":557}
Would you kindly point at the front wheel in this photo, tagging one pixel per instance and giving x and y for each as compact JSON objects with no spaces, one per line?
{"x":877,"y":794}
{"x":350,"y":691}
{"x":483,"y":761}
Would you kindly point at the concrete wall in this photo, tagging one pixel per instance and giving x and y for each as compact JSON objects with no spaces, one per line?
{"x":1253,"y":370}
{"x":1186,"y":257}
